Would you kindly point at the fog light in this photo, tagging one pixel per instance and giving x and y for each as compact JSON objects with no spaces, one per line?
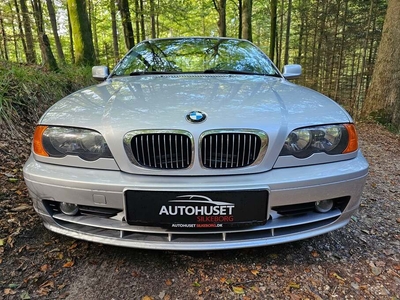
{"x":323,"y":206}
{"x":69,"y":209}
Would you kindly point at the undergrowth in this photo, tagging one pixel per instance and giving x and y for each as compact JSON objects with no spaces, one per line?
{"x":27,"y":91}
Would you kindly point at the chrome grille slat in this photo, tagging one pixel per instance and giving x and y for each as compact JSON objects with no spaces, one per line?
{"x":230,"y":149}
{"x":163,"y":149}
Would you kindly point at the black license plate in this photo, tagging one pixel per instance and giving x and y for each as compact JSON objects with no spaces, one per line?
{"x":197,"y":210}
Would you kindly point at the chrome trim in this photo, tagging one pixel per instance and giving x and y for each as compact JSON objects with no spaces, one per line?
{"x":263,"y":147}
{"x":131,"y":134}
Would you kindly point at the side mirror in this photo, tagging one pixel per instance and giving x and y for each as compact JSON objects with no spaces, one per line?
{"x":291,"y":71}
{"x":100,"y":73}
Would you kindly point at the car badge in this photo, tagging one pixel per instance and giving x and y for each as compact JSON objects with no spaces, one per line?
{"x":196,"y":116}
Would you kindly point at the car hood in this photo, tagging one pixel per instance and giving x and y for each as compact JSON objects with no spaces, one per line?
{"x":273,"y":105}
{"x":164,"y":101}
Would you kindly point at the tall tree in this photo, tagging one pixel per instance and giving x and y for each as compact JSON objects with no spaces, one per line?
{"x":247,"y":8}
{"x":137,"y":21}
{"x":114,"y":30}
{"x":287,"y":38}
{"x":4,"y":35}
{"x":220,"y":6}
{"x":30,"y":46}
{"x":48,"y":59}
{"x":123,"y":6}
{"x":142,"y":24}
{"x":81,"y":32}
{"x":53,"y":21}
{"x":273,"y":32}
{"x":153,"y":19}
{"x":383,"y":97}
{"x":71,"y":41}
{"x":21,"y":32}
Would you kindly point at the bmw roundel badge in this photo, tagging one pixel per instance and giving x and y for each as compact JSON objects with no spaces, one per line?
{"x":196,"y":116}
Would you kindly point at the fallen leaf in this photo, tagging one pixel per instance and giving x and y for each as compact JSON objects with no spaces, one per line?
{"x":135,"y":274}
{"x":48,"y":283}
{"x":147,"y":298}
{"x":376,"y":270}
{"x":44,"y":268}
{"x":222,"y":280}
{"x":25,"y":296}
{"x":43,"y":291}
{"x":238,"y":290}
{"x":68,"y":264}
{"x":73,"y":246}
{"x":9,"y":292}
{"x":168,"y":282}
{"x":196,"y":284}
{"x":314,"y":254}
{"x":13,"y":180}
{"x":294,"y":285}
{"x":191,"y":271}
{"x":338,"y":277}
{"x":13,"y":285}
{"x":200,"y":292}
{"x":255,"y":272}
{"x":2,"y":242}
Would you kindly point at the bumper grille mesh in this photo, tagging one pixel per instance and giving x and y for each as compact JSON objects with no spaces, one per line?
{"x":230,"y":150}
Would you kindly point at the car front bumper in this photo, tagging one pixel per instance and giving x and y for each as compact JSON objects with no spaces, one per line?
{"x":286,"y":187}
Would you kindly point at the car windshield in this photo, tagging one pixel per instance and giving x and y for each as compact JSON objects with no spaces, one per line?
{"x":195,"y":55}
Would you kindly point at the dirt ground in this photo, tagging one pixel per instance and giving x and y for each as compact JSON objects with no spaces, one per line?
{"x":359,"y":261}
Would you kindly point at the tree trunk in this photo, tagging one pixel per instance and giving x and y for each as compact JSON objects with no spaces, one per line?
{"x":14,"y":31}
{"x":153,"y":19}
{"x":287,"y":38}
{"x":274,"y":7}
{"x":21,"y":32}
{"x":4,"y":38}
{"x":48,"y":58}
{"x":93,"y":26}
{"x":123,"y":7}
{"x":279,"y":44}
{"x":137,"y":20}
{"x":114,"y":31}
{"x":142,"y":25}
{"x":383,"y":97}
{"x":240,"y":12}
{"x":71,"y":41}
{"x":30,"y":46}
{"x":246,"y":19}
{"x":52,"y":15}
{"x":341,"y":51}
{"x":360,"y":77}
{"x":220,"y":7}
{"x":82,"y":33}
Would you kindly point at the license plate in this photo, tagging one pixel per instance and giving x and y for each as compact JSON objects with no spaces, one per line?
{"x":196,"y":210}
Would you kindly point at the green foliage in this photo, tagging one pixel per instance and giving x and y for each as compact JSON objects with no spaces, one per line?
{"x":384,"y":117}
{"x":26,"y":91}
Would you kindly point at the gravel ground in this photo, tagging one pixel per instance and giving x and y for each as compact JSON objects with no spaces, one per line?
{"x":359,"y":261}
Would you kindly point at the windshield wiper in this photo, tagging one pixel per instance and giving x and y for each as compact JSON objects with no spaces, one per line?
{"x":216,"y":71}
{"x":136,"y":73}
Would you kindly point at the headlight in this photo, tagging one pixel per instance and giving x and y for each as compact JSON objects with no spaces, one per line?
{"x":331,"y":139}
{"x":62,"y":141}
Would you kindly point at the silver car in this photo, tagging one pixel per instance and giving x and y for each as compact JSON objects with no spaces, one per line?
{"x":195,"y":144}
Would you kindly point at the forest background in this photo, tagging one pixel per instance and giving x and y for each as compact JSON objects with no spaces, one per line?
{"x":335,"y":41}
